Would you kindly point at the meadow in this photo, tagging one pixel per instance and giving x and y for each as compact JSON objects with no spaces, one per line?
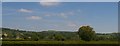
{"x":60,"y":42}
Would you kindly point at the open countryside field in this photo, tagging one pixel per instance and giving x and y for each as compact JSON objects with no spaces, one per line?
{"x":60,"y":42}
{"x":60,"y":23}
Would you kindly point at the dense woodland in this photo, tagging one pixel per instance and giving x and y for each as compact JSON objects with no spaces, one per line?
{"x":51,"y":35}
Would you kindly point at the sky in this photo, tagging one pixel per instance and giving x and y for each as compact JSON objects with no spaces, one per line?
{"x":0,"y":14}
{"x":60,"y":16}
{"x":61,"y":0}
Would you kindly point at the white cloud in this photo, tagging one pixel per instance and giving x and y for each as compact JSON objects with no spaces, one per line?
{"x":34,"y":17}
{"x":60,"y":14}
{"x":72,"y":24}
{"x":49,"y":2}
{"x":64,"y":14}
{"x":25,"y":10}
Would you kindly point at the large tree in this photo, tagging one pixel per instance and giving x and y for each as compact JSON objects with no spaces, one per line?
{"x":86,"y":33}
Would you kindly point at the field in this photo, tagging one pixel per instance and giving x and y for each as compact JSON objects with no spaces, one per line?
{"x":59,"y":42}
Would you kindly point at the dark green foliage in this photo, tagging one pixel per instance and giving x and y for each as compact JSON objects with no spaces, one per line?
{"x":59,"y":37}
{"x":86,"y":33}
{"x":108,"y":36}
{"x":36,"y":36}
{"x":22,"y":35}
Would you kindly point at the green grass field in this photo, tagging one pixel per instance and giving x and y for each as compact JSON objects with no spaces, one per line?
{"x":59,"y":42}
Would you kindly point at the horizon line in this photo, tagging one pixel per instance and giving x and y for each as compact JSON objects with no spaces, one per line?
{"x":53,"y":30}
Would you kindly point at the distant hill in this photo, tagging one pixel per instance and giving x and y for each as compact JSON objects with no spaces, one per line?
{"x":16,"y":34}
{"x":44,"y":35}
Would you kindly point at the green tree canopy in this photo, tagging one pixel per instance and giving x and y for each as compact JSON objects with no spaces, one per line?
{"x":86,"y":33}
{"x":59,"y":37}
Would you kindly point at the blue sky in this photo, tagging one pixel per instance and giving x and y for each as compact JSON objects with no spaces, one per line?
{"x":0,"y":14}
{"x":69,"y":16}
{"x":60,"y":0}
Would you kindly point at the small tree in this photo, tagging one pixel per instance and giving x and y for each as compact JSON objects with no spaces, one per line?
{"x":86,"y":33}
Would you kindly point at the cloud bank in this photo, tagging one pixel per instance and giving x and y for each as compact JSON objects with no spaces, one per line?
{"x":25,"y":10}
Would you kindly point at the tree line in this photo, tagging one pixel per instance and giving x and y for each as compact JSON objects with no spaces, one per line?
{"x":85,"y":33}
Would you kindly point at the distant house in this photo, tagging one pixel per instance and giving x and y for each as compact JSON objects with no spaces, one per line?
{"x":5,"y":34}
